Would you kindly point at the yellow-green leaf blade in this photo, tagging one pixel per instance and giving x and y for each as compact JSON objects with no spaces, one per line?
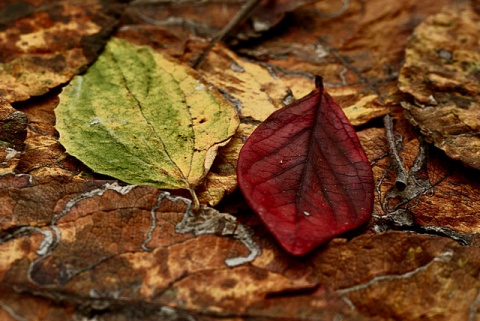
{"x":143,"y":118}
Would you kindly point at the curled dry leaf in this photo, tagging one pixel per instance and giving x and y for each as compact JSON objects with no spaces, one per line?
{"x":305,"y":173}
{"x":439,"y":196}
{"x":45,"y":44}
{"x":207,"y":18}
{"x":441,"y":72}
{"x":144,"y":118}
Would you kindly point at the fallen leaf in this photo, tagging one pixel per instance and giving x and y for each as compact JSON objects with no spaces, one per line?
{"x":144,"y":118}
{"x":207,"y":18}
{"x":439,"y":197}
{"x":305,"y":173}
{"x":441,"y":72}
{"x":137,"y":235}
{"x":44,"y":44}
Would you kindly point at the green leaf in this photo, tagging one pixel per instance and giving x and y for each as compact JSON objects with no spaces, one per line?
{"x":144,"y":118}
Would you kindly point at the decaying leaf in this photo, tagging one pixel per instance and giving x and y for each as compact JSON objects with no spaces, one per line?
{"x":439,"y":196}
{"x":44,"y":44}
{"x":144,"y":118}
{"x":136,"y":264}
{"x":137,"y":235}
{"x":207,"y":18}
{"x":442,"y":73}
{"x":305,"y":173}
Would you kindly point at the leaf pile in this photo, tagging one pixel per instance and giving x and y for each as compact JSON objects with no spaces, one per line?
{"x":75,"y":245}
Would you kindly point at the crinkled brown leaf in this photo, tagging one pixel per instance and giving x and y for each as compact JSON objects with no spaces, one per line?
{"x":44,"y":44}
{"x":207,"y":18}
{"x":138,"y":234}
{"x":442,"y":73}
{"x":439,"y":197}
{"x":137,"y":255}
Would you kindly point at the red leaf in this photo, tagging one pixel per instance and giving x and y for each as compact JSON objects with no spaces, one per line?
{"x":305,"y":173}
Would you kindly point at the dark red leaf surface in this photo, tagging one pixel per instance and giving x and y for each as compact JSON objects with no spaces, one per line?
{"x":305,"y":173}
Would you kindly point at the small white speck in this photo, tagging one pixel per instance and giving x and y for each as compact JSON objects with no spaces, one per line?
{"x":432,"y":100}
{"x":200,"y":87}
{"x":306,"y":213}
{"x":281,"y":162}
{"x":95,"y":121}
{"x":321,"y":51}
{"x":236,"y":67}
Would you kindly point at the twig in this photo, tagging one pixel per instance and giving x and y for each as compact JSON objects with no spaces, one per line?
{"x":240,"y":17}
{"x":401,"y":173}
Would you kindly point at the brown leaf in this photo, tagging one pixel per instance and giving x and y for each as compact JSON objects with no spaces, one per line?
{"x":138,"y":234}
{"x":44,"y":45}
{"x":404,"y":277}
{"x":21,"y":306}
{"x":441,"y":73}
{"x":440,"y":196}
{"x":207,"y":18}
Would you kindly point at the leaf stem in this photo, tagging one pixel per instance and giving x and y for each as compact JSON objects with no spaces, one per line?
{"x":402,"y":176}
{"x":195,"y":201}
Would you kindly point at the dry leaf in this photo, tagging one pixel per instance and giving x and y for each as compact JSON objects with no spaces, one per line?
{"x":45,"y":44}
{"x":442,"y":73}
{"x":440,"y":196}
{"x":207,"y":18}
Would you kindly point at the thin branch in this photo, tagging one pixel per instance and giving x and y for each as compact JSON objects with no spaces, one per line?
{"x":401,"y":173}
{"x":240,"y":17}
